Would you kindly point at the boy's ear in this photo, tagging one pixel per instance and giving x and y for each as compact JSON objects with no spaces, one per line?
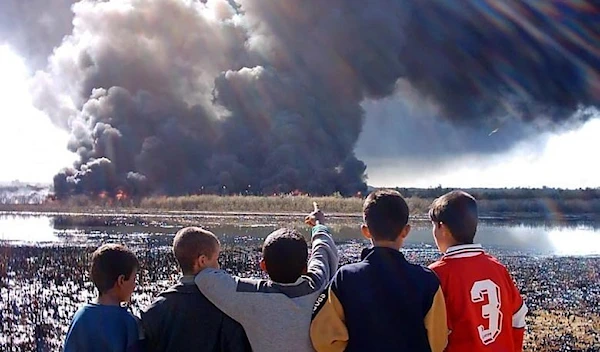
{"x":120,"y":280}
{"x":263,"y":265}
{"x":200,"y":263}
{"x":445,"y":229}
{"x":365,"y":231}
{"x":202,"y":260}
{"x":405,"y":231}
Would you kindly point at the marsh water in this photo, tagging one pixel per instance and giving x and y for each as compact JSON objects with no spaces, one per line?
{"x":536,"y":238}
{"x":555,"y":264}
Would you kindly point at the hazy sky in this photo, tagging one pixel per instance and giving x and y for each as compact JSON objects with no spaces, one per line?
{"x":566,"y":160}
{"x":32,"y":149}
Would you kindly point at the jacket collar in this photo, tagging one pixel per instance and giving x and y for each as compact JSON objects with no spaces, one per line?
{"x":298,"y":282}
{"x":464,"y":251}
{"x":187,"y":279}
{"x":378,"y":251}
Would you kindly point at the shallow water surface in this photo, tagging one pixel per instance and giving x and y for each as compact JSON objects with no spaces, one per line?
{"x":532,"y":238}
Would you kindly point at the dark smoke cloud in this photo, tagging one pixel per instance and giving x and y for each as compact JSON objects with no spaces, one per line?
{"x":536,"y":60}
{"x":34,"y":27}
{"x":177,"y":97}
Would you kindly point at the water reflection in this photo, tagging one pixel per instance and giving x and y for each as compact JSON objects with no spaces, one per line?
{"x":29,"y":229}
{"x":540,"y":238}
{"x":580,"y":241}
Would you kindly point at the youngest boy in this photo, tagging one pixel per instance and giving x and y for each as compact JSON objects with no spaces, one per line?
{"x":104,"y":325}
{"x":485,"y":310}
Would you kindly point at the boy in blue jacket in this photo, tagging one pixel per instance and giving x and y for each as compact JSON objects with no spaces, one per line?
{"x":104,"y":325}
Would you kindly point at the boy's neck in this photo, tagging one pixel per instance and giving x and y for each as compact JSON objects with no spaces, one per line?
{"x":396,"y":245}
{"x":108,"y":299}
{"x":455,"y":243}
{"x":192,"y":273}
{"x":284,"y":283}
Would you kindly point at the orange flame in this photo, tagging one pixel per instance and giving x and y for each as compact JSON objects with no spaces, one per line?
{"x":121,"y":195}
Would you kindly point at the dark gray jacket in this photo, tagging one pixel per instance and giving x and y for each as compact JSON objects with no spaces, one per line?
{"x":182,"y":319}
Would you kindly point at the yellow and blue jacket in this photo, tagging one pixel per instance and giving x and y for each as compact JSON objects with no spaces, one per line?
{"x":383,"y":303}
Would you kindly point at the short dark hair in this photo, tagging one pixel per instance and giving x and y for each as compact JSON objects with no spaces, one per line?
{"x":458,"y":211}
{"x":386,"y":213}
{"x":190,"y":243}
{"x":285,"y":253}
{"x":109,"y":262}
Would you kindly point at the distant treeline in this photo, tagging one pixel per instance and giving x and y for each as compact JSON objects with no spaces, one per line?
{"x":549,"y":203}
{"x":20,"y":193}
{"x":508,"y":193}
{"x":541,"y":204}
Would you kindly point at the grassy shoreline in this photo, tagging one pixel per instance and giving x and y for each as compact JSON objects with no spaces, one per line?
{"x":540,"y":208}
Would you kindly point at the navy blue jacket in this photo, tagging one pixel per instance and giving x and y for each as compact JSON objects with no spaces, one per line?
{"x":383,"y":303}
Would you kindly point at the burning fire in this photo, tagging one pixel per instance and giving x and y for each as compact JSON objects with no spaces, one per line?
{"x":121,"y":195}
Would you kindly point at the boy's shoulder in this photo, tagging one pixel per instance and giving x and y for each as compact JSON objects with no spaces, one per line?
{"x":466,"y":262}
{"x":171,"y":296}
{"x":362,"y":268}
{"x":424,"y":275}
{"x":91,"y":311}
{"x":97,"y":327}
{"x":353,"y":268}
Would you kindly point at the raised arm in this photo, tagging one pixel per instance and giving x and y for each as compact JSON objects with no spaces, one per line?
{"x":323,"y":261}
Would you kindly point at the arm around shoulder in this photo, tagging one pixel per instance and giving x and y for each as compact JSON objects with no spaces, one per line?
{"x":220,"y":288}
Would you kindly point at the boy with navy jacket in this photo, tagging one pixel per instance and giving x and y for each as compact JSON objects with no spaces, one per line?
{"x":383,"y":303}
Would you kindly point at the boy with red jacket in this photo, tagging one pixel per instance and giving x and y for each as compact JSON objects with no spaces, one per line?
{"x":484,"y":307}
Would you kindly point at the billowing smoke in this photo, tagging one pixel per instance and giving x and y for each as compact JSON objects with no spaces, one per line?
{"x":35,"y":27}
{"x":263,"y":96}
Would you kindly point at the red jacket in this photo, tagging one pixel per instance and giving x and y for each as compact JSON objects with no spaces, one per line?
{"x":484,"y":307}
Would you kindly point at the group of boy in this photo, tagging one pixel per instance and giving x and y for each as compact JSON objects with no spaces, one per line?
{"x":466,"y":301}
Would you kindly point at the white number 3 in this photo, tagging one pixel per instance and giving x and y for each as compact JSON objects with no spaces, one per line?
{"x":490,"y":311}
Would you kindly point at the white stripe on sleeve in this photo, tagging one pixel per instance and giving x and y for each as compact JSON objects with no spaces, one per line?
{"x":518,"y":319}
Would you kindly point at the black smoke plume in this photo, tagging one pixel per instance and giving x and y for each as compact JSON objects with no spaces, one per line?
{"x":264,"y":96}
